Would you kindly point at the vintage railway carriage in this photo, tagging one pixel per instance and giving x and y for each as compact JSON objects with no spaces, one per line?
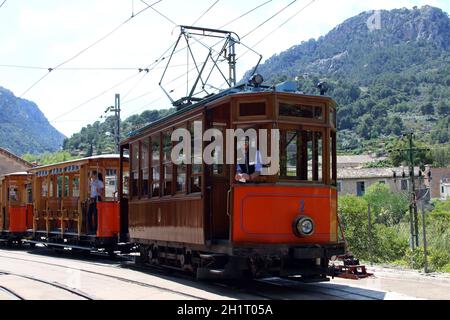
{"x":16,"y":215}
{"x":62,"y":199}
{"x":197,"y":217}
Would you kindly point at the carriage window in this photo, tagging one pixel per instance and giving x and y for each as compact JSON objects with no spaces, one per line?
{"x":301,"y":155}
{"x":144,"y":168}
{"x":167,"y":164}
{"x":196,"y":173}
{"x":59,"y":189}
{"x":252,"y":109}
{"x":135,"y":169}
{"x":333,"y":159}
{"x":219,"y":157}
{"x":44,"y":186}
{"x":111,"y":183}
{"x":66,"y":186}
{"x":333,"y":118}
{"x":52,"y":181}
{"x":76,"y":186}
{"x":301,"y":111}
{"x":14,"y":193}
{"x":156,"y":166}
{"x":29,"y":188}
{"x":181,"y":178}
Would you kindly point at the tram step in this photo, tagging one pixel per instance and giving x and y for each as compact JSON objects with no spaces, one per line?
{"x":212,"y":256}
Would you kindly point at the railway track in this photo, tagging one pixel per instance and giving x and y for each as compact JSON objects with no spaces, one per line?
{"x":266,"y":289}
{"x":118,"y":278}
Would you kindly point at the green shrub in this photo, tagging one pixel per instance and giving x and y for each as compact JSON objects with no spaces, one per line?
{"x":439,"y":259}
{"x":415,"y":258}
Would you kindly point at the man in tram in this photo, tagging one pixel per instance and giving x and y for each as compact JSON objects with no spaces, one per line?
{"x":248,"y":169}
{"x":97,"y":187}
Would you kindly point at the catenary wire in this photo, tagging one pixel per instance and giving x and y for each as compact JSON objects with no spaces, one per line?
{"x":206,"y":12}
{"x":50,"y":70}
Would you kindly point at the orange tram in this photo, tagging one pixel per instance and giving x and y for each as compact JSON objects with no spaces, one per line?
{"x":16,"y":215}
{"x":198,"y":218}
{"x":52,"y":205}
{"x":189,"y":215}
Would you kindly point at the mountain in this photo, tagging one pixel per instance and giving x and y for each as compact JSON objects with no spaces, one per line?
{"x":97,"y":139}
{"x":386,"y":80}
{"x":24,"y":128}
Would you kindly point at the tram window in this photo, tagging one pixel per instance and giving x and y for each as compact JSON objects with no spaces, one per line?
{"x":333,"y":118}
{"x":29,"y":193}
{"x":52,"y":187}
{"x":301,"y":154}
{"x":181,"y":178}
{"x":252,"y":109}
{"x":44,"y":186}
{"x":219,"y":157}
{"x":156,"y":174}
{"x":76,"y":186}
{"x":126,"y":183}
{"x":110,"y":183}
{"x":301,"y":111}
{"x":13,"y":193}
{"x":59,"y":189}
{"x":135,"y":167}
{"x":66,"y":186}
{"x":144,"y":168}
{"x":167,"y":164}
{"x":196,"y":160}
{"x":333,"y":159}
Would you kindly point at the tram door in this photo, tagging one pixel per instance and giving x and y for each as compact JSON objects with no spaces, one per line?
{"x":218,"y":182}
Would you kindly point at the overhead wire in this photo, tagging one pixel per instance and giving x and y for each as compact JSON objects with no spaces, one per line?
{"x":95,"y":97}
{"x":50,"y":70}
{"x":1,"y":5}
{"x":160,"y":13}
{"x":206,"y":12}
{"x":277,"y":28}
{"x":181,"y":49}
{"x":270,"y":18}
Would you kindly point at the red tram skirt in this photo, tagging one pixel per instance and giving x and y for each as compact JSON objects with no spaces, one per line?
{"x":108,"y":219}
{"x":17,"y":219}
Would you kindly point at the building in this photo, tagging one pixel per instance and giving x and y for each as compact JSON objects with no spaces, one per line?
{"x":10,"y":163}
{"x":356,"y":181}
{"x":440,"y":182}
{"x":359,"y":161}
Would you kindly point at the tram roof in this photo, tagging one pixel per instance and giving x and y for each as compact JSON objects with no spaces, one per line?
{"x":77,"y":161}
{"x":241,"y":89}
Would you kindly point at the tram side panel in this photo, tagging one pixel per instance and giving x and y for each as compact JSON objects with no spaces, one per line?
{"x":180,"y":221}
{"x":266,"y":214}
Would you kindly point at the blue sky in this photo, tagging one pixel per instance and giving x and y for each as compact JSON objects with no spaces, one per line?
{"x":44,"y":33}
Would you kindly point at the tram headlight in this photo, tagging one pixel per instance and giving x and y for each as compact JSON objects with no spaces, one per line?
{"x":304,"y":226}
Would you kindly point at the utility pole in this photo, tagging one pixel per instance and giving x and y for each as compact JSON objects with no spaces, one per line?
{"x":413,"y":204}
{"x":116,"y":110}
{"x":117,"y":115}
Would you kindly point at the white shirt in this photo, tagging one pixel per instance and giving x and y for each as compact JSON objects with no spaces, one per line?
{"x":96,"y":188}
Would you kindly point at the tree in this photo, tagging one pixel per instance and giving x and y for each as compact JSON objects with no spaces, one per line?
{"x":387,"y":207}
{"x":427,"y":109}
{"x":443,"y":108}
{"x":441,"y":157}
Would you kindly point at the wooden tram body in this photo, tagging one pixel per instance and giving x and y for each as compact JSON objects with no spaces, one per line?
{"x":196,"y":217}
{"x":61,"y":194}
{"x":16,"y":215}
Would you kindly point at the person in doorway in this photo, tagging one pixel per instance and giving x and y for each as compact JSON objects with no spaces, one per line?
{"x":246,"y":170}
{"x":96,"y":188}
